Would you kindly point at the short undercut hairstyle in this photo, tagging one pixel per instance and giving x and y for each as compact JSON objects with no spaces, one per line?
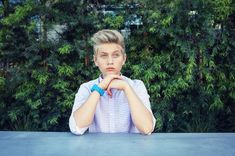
{"x":107,"y":36}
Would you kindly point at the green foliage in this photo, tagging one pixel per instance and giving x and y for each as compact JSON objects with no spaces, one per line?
{"x":185,"y":45}
{"x":114,"y":22}
{"x":183,"y":51}
{"x":65,"y":70}
{"x":41,"y":76}
{"x":19,"y":14}
{"x":2,"y":83}
{"x":66,"y":49}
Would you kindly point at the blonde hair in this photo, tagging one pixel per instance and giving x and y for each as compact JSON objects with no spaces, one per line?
{"x":107,"y":36}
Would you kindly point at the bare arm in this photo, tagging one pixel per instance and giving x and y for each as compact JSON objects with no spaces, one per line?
{"x":141,"y":116}
{"x":85,"y":114}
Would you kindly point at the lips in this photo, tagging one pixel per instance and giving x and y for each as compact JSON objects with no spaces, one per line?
{"x":110,"y":68}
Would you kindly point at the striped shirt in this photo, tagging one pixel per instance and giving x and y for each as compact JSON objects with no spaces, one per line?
{"x":112,"y":115}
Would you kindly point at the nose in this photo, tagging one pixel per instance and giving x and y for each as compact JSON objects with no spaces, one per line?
{"x":110,"y":60}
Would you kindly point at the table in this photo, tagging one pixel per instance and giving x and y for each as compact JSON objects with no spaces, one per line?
{"x":122,"y":144}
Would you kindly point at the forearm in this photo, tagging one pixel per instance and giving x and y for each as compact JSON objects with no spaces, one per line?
{"x":141,"y":116}
{"x":85,"y":114}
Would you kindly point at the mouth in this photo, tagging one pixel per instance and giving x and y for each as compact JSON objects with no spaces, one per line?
{"x":110,"y":69}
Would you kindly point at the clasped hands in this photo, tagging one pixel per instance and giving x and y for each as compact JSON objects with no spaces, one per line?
{"x":113,"y":81}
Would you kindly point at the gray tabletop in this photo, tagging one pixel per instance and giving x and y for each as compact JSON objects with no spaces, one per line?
{"x":98,"y":144}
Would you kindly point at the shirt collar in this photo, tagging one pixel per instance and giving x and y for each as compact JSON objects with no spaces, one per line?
{"x":100,"y":78}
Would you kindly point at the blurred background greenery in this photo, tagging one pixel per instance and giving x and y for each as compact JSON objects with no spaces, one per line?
{"x":183,"y":50}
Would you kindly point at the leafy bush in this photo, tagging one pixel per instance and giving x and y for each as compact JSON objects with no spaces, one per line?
{"x":183,"y":51}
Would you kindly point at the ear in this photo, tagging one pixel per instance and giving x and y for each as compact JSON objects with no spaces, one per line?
{"x":124,"y":59}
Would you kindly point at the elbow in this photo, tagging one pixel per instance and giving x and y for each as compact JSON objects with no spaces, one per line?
{"x":80,"y":122}
{"x":147,"y":130}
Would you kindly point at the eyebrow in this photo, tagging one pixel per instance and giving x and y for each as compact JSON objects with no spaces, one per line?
{"x":112,"y":52}
{"x":103,"y":53}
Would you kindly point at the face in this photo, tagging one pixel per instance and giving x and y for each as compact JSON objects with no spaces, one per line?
{"x":110,"y":59}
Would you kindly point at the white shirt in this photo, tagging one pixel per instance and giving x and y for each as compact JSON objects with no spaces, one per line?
{"x":112,"y":114}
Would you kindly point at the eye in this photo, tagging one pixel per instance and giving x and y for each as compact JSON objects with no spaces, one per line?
{"x":103,"y":55}
{"x":116,"y":55}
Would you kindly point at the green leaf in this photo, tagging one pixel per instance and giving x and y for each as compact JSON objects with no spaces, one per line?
{"x":20,"y":13}
{"x":65,"y":70}
{"x":65,"y":49}
{"x":41,"y":76}
{"x":217,"y":104}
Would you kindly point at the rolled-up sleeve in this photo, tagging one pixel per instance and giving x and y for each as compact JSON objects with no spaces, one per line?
{"x":142,"y":93}
{"x":80,"y":98}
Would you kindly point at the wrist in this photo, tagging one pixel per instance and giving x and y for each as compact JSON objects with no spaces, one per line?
{"x":97,"y":89}
{"x":126,"y":87}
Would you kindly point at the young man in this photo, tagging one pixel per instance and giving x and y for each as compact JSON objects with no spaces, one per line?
{"x":111,"y":103}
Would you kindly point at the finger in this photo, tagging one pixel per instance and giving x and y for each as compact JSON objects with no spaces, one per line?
{"x":113,"y":78}
{"x":110,"y":95}
{"x":116,"y":77}
{"x":109,"y":91}
{"x":110,"y":78}
{"x":120,"y":78}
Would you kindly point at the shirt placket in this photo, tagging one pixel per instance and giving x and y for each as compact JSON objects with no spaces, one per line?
{"x":111,"y":115}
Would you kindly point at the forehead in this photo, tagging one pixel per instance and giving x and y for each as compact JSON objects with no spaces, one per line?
{"x":109,"y":48}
